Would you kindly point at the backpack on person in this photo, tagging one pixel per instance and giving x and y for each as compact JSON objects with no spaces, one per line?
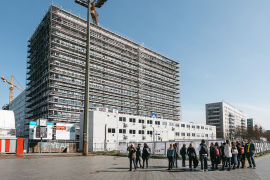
{"x":242,"y":150}
{"x":203,"y":149}
{"x":216,"y":151}
{"x":148,"y":151}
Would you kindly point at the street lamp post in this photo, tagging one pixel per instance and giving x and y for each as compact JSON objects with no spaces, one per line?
{"x":88,"y":4}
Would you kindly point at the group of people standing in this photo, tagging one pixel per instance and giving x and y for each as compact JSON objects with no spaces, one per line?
{"x":172,"y":155}
{"x":233,"y":154}
{"x":135,"y":155}
{"x":228,"y":154}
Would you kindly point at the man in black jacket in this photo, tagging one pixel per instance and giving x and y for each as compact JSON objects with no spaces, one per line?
{"x":212,"y":155}
{"x":249,"y":152}
{"x":176,"y":149}
{"x":183,"y":152}
{"x":138,"y":156}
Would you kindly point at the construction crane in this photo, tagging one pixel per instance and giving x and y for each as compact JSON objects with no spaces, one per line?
{"x":94,"y":4}
{"x":11,"y":87}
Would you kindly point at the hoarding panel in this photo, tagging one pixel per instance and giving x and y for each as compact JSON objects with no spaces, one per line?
{"x":65,"y":131}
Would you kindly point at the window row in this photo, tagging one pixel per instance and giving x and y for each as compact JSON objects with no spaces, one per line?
{"x":131,"y":131}
{"x":191,"y":134}
{"x":133,"y":120}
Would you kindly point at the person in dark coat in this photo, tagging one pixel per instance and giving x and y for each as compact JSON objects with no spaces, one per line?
{"x":176,"y":155}
{"x":145,"y":154}
{"x":192,"y":156}
{"x":239,"y":160}
{"x":222,"y":153}
{"x":212,"y":155}
{"x":203,"y":150}
{"x":183,"y":153}
{"x":249,"y":152}
{"x":138,"y":156}
{"x":217,"y":156}
{"x":132,"y":157}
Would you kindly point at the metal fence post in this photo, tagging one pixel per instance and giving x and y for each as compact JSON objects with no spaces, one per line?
{"x":165,"y":148}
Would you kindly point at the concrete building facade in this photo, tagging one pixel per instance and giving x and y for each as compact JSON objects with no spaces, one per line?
{"x":226,"y":118}
{"x":107,"y":130}
{"x":18,"y":107}
{"x":123,"y":75}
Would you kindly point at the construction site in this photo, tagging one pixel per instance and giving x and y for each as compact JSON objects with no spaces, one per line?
{"x":124,"y":75}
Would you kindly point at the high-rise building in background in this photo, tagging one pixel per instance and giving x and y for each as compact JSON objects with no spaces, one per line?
{"x":18,"y":107}
{"x":124,"y":76}
{"x":252,"y":123}
{"x":226,"y":118}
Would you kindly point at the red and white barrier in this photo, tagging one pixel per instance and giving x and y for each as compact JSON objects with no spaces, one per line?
{"x":11,"y":145}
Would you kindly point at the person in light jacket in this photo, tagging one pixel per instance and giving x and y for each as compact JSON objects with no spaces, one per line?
{"x":228,"y":154}
{"x":132,"y":157}
{"x":234,"y":154}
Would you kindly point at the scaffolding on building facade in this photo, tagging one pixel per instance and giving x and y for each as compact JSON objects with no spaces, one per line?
{"x":123,"y":75}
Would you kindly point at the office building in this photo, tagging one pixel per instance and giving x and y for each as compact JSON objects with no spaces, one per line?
{"x":252,"y":123}
{"x":18,"y":107}
{"x":226,"y":118}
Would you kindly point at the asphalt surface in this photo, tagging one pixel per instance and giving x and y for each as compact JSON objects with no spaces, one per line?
{"x":75,"y":166}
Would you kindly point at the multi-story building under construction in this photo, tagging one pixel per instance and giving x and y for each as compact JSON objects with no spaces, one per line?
{"x":123,"y":75}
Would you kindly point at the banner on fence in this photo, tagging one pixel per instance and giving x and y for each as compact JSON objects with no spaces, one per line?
{"x":65,"y":131}
{"x":34,"y":130}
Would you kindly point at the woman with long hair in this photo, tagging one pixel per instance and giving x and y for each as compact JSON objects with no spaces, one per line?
{"x":234,"y":154}
{"x":228,"y":154}
{"x":192,"y":156}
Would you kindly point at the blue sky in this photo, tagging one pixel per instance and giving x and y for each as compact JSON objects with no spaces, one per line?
{"x":223,"y":46}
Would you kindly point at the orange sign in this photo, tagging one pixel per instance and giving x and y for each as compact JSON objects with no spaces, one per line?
{"x":63,"y":128}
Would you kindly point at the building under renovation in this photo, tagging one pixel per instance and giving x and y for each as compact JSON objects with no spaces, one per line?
{"x":124,"y":75}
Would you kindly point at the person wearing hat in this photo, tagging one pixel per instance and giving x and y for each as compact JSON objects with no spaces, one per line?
{"x":138,"y":156}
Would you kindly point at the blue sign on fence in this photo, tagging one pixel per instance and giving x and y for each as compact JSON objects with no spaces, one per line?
{"x":153,"y":115}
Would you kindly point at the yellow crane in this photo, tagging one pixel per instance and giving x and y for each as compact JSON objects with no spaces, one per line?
{"x":11,"y":87}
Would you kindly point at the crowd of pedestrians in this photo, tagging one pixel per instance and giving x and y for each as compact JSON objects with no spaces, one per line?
{"x":229,"y":155}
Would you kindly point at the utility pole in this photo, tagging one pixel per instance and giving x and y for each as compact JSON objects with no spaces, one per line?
{"x":89,"y":4}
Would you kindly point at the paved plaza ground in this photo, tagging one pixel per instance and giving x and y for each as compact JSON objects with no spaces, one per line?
{"x":70,"y":166}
